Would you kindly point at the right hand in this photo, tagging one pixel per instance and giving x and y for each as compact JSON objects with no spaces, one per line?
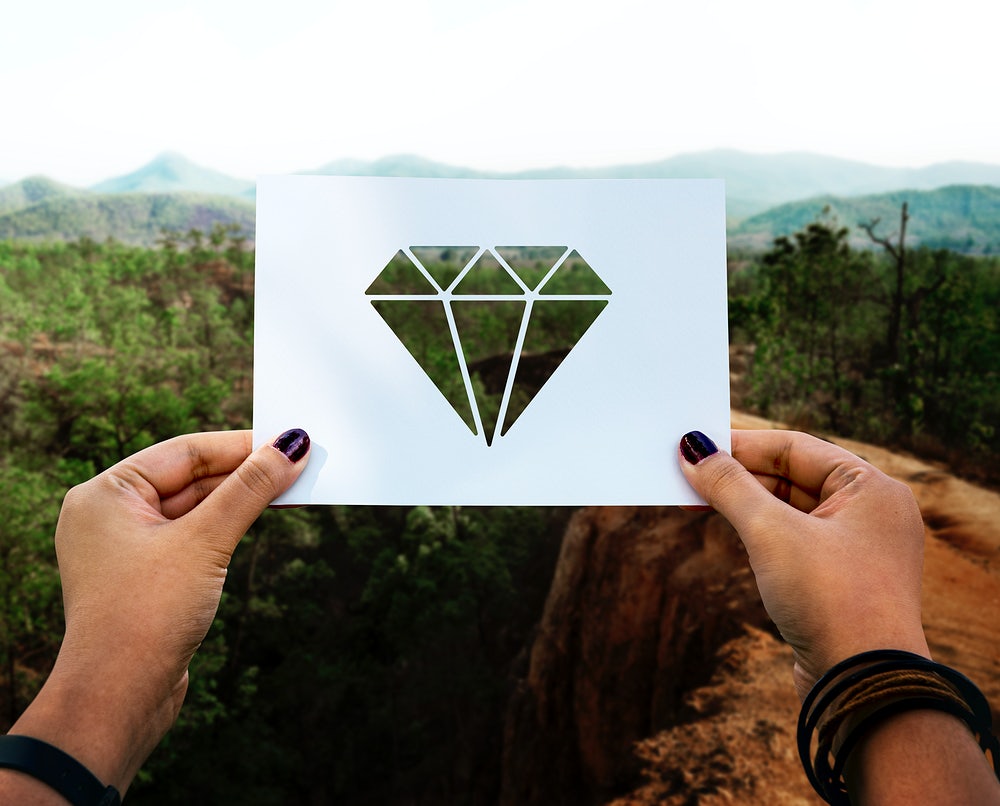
{"x":836,"y":546}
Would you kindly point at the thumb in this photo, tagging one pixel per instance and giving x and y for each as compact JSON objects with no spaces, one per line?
{"x":237,"y":502}
{"x":728,"y":487}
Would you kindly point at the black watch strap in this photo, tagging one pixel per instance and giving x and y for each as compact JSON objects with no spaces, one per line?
{"x":57,"y":769}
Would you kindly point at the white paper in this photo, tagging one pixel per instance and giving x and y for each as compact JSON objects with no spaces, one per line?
{"x":603,"y":429}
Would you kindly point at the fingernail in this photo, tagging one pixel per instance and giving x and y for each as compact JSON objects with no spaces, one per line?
{"x":695,"y":446}
{"x":294,"y":443}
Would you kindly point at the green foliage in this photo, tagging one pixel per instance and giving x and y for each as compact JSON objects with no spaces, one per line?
{"x":812,"y":312}
{"x":116,"y":352}
{"x":837,"y":346}
{"x":30,"y":600}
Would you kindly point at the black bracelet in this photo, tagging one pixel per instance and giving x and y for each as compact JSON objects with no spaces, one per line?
{"x":845,"y":677}
{"x":57,"y":769}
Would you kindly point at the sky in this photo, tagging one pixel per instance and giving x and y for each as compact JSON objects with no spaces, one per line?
{"x":97,"y":89}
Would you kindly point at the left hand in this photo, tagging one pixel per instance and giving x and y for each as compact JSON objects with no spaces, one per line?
{"x":143,"y":551}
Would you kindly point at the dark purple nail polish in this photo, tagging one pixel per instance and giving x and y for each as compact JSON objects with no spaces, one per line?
{"x":294,"y":443}
{"x":695,"y":446}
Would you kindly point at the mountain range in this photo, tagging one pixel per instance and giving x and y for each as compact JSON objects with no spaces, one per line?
{"x":952,"y":204}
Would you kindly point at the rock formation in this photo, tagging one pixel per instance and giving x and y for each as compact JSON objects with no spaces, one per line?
{"x":656,"y":676}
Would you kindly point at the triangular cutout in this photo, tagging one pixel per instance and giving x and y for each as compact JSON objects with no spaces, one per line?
{"x":400,"y":276}
{"x":487,"y":276}
{"x":554,"y":329}
{"x":531,"y":263}
{"x":444,"y":263}
{"x":422,"y":327}
{"x":575,"y":276}
{"x":488,"y":333}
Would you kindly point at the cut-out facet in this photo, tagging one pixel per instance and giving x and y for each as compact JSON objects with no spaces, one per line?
{"x":487,"y":276}
{"x":444,"y":263}
{"x":532,"y":263}
{"x":575,"y":276}
{"x":422,"y":326}
{"x":487,"y":345}
{"x":488,"y":333}
{"x":554,"y":329}
{"x":400,"y":276}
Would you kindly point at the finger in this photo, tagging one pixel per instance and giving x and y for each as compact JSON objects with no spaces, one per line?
{"x":179,"y":504}
{"x":226,"y":514}
{"x":816,"y":467}
{"x":167,"y":468}
{"x":729,"y":488}
{"x":778,"y":485}
{"x":782,"y":489}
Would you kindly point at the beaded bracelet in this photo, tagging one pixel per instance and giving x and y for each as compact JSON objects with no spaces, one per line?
{"x":57,"y":769}
{"x":856,"y":694}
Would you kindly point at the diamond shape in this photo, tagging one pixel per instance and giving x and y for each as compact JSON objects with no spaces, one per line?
{"x":489,"y":326}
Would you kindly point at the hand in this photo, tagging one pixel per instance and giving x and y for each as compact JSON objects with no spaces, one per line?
{"x":836,"y":546}
{"x":143,"y":550}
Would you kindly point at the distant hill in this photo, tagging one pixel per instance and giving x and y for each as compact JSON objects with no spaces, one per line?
{"x":953,"y":204}
{"x":754,"y":182}
{"x":172,"y":173}
{"x":137,"y":218}
{"x":32,"y":190}
{"x":399,"y":165}
{"x":963,"y":218}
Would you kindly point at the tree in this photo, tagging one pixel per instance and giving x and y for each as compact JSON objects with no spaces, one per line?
{"x":897,"y":251}
{"x":810,"y":310}
{"x":907,"y":291}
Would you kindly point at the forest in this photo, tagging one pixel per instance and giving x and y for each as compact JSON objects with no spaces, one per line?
{"x":365,"y":655}
{"x":891,"y":345}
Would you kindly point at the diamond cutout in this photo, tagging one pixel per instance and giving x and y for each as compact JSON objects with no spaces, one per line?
{"x":489,"y":326}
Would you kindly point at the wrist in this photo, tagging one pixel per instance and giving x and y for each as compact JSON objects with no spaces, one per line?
{"x":102,"y":719}
{"x":41,"y":773}
{"x":810,"y":668}
{"x":865,"y":698}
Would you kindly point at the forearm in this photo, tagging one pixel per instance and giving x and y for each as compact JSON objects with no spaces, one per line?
{"x":96,"y":717}
{"x":925,"y":757}
{"x":16,"y":787}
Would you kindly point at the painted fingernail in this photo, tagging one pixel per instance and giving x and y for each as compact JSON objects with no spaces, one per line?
{"x":695,"y":446}
{"x":294,"y":443}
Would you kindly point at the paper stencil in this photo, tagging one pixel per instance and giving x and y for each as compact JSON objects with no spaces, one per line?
{"x":490,"y":342}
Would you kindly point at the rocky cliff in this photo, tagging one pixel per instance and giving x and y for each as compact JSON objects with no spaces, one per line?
{"x":656,"y":676}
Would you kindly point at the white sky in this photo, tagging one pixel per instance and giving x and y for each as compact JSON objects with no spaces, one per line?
{"x":96,"y":89}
